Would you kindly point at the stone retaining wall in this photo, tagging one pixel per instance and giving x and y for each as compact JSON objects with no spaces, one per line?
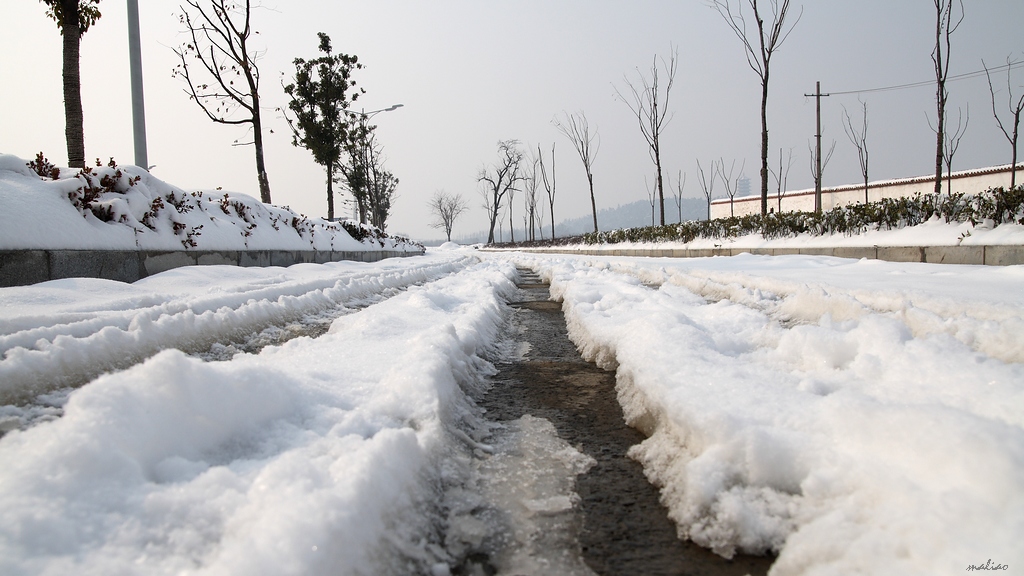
{"x":23,"y":267}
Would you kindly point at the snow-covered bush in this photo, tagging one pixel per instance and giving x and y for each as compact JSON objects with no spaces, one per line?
{"x":995,"y":206}
{"x":113,"y":207}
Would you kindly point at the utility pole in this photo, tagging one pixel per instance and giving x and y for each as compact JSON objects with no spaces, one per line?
{"x":817,"y":150}
{"x":138,"y":105}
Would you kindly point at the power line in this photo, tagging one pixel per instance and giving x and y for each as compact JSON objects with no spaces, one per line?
{"x":965,"y":76}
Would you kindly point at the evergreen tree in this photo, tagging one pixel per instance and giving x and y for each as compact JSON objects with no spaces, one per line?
{"x":319,"y":101}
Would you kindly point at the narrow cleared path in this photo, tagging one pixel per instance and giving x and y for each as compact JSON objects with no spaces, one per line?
{"x":623,"y":528}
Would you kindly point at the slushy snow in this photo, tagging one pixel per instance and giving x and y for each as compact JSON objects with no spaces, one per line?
{"x":852,"y":416}
{"x":318,"y":456}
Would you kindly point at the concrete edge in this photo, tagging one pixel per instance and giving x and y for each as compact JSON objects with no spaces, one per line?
{"x":25,"y":267}
{"x":998,"y":255}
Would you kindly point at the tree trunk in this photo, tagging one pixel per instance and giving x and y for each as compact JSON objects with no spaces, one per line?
{"x":939,"y":137}
{"x":661,"y":188}
{"x":261,"y":167}
{"x":490,"y":233}
{"x":940,"y":97}
{"x":764,"y":145}
{"x":1013,"y":166}
{"x":330,"y":192}
{"x":74,"y":131}
{"x":593,"y":204}
{"x":511,"y":222}
{"x":552,"y":216}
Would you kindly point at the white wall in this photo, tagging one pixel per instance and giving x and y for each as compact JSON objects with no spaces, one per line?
{"x":968,"y":181}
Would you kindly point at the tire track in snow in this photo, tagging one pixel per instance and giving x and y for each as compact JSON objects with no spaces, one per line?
{"x":989,"y":329}
{"x":42,"y":360}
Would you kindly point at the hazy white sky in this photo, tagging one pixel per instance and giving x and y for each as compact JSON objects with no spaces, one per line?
{"x":472,"y":72}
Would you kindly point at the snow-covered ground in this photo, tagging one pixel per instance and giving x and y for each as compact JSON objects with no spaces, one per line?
{"x":855,"y":416}
{"x":317,"y":456}
{"x":126,"y":208}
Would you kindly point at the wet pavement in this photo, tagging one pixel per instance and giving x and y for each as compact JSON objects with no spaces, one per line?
{"x":622,"y":528}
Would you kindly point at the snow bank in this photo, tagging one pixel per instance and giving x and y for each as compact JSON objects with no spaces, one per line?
{"x":794,"y":405}
{"x":318,"y":456}
{"x":65,"y":332}
{"x":127,"y":208}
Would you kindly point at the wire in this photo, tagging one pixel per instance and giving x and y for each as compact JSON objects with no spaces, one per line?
{"x":975,"y":74}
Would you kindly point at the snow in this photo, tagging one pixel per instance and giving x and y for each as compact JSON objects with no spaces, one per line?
{"x":854,"y":416}
{"x":54,"y":333}
{"x":316,"y":456}
{"x":149,"y":214}
{"x":934,"y":232}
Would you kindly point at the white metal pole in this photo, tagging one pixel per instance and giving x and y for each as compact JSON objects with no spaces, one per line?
{"x":138,"y":103}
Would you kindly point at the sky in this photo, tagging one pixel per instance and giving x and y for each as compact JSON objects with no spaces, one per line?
{"x":471,"y":73}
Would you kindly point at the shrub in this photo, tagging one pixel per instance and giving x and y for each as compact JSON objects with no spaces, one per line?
{"x":997,"y":205}
{"x":44,"y":168}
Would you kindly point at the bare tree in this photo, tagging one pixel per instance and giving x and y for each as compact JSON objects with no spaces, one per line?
{"x":530,"y":181}
{"x":952,"y":143}
{"x":652,"y":199}
{"x":549,"y":186}
{"x":730,"y":187}
{"x":859,"y":138}
{"x":511,"y":200}
{"x":678,"y":193}
{"x":540,"y":219}
{"x":500,"y":180}
{"x":446,"y":208}
{"x":526,"y":223}
{"x":649,"y":103}
{"x":220,"y":37}
{"x":577,"y":130}
{"x":944,"y":28}
{"x":1015,"y":110}
{"x":707,"y":185}
{"x":782,"y":177}
{"x":759,"y":52}
{"x":371,"y":185}
{"x":824,"y":163}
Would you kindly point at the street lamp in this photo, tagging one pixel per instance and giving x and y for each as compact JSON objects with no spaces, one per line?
{"x":138,"y":105}
{"x":367,"y":115}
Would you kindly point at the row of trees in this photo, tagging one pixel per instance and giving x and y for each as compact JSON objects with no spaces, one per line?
{"x":218,"y":65}
{"x":516,"y":170}
{"x":342,"y":141}
{"x":227,"y":90}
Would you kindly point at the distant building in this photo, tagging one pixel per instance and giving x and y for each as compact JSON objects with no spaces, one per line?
{"x":743,"y":187}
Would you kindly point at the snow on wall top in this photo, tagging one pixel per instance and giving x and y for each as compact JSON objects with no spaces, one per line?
{"x":126,"y":208}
